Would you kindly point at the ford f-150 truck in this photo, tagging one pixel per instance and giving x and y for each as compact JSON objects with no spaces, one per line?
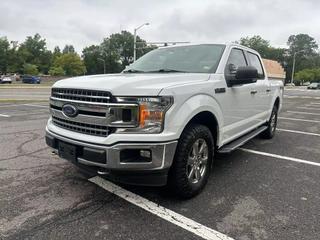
{"x":164,"y":118}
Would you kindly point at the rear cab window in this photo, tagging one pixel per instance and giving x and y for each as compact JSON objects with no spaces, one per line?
{"x":255,"y":61}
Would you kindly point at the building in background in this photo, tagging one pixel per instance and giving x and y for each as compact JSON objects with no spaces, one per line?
{"x":274,"y":70}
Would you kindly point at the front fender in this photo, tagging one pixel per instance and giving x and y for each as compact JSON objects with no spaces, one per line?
{"x":182,"y":112}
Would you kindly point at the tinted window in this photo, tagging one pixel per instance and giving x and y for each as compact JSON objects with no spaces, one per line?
{"x":202,"y":58}
{"x":236,"y":58}
{"x":255,"y":62}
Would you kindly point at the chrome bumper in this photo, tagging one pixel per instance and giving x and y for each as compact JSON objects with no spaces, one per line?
{"x":161,"y":154}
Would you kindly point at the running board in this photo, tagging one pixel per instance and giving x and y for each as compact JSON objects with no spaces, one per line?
{"x":242,"y":140}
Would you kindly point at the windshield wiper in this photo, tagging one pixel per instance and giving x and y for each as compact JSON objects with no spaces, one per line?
{"x":133,"y":71}
{"x":167,"y":70}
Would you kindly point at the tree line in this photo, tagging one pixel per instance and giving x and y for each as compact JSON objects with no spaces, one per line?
{"x":116,"y":51}
{"x":302,"y":46}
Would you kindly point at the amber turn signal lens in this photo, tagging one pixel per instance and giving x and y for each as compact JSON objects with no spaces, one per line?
{"x":147,"y":115}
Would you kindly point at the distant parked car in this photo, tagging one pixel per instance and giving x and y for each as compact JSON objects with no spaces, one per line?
{"x":290,"y":84}
{"x":5,"y":79}
{"x":306,"y":84}
{"x":314,"y":86}
{"x":31,"y":79}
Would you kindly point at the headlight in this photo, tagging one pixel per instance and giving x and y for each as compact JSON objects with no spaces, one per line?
{"x":151,"y":113}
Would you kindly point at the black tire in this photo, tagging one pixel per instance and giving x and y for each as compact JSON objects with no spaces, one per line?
{"x":193,"y":135}
{"x":272,"y":124}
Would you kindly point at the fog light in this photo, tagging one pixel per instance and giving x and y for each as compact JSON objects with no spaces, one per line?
{"x":145,"y":153}
{"x":135,"y":156}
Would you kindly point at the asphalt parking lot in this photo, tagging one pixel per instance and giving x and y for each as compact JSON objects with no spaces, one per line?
{"x":268,"y":189}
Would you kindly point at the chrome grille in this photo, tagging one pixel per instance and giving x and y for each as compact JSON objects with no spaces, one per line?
{"x":97,"y":113}
{"x":81,"y":95}
{"x":96,"y":130}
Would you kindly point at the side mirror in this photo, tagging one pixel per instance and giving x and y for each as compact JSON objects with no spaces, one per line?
{"x":245,"y":75}
{"x":232,"y":68}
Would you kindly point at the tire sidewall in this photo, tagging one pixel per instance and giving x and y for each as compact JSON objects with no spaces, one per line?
{"x":271,"y":129}
{"x":179,"y":167}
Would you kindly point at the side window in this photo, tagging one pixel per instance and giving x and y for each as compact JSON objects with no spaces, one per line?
{"x":255,"y":62}
{"x":235,"y":60}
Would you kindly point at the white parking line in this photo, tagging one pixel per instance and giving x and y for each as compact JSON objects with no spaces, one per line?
{"x":299,"y":132}
{"x":299,"y":119}
{"x":34,"y":105}
{"x":302,"y":97}
{"x":307,"y":113}
{"x":308,"y":108}
{"x":24,"y":104}
{"x":280,"y":157}
{"x":162,"y":212}
{"x":10,"y":105}
{"x":315,"y":103}
{"x":4,"y":115}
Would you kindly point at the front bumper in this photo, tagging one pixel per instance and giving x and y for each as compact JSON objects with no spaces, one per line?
{"x":116,"y":161}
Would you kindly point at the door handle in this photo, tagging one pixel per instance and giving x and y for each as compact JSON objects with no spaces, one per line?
{"x":268,"y":90}
{"x":253,"y":91}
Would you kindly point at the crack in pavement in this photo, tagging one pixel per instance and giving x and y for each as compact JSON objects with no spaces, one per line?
{"x":58,"y":220}
{"x":25,"y":154}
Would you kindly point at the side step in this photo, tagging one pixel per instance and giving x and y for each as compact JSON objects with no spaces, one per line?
{"x":242,"y":140}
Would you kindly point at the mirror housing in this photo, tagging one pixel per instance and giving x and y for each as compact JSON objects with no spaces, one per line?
{"x":245,"y":75}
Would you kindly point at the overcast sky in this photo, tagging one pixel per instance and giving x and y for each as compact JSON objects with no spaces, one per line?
{"x":84,"y":22}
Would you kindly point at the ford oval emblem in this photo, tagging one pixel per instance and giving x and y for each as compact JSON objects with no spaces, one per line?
{"x":69,"y":110}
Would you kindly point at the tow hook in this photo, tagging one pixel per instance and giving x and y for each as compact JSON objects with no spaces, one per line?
{"x":103,"y":171}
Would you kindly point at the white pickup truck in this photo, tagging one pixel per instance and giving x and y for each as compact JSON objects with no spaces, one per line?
{"x":162,"y":120}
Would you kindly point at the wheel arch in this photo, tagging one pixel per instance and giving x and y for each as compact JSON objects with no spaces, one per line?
{"x":209,"y":120}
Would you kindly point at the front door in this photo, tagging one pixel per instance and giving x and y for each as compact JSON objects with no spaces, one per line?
{"x":238,"y":101}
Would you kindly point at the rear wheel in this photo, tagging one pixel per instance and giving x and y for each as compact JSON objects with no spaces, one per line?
{"x":272,"y":124}
{"x":191,"y":167}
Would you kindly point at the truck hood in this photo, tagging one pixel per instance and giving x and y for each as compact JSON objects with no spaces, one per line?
{"x":130,"y":84}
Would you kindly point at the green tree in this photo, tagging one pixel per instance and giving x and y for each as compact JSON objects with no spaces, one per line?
{"x":302,"y":42}
{"x":92,"y":59}
{"x":264,"y":48}
{"x":117,"y":52}
{"x":121,"y":45}
{"x":68,"y":49}
{"x":308,"y":75}
{"x":71,"y":64}
{"x":56,"y":52}
{"x":4,"y":54}
{"x":34,"y":51}
{"x":30,"y":69}
{"x":257,"y":43}
{"x":305,"y":47}
{"x":56,"y":71}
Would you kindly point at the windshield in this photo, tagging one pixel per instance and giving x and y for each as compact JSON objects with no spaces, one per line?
{"x":193,"y":59}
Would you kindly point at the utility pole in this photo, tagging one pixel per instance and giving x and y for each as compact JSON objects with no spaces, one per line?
{"x":104,"y":65}
{"x":135,"y":40}
{"x":294,"y":64}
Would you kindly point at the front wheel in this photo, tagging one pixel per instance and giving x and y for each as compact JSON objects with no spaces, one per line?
{"x":271,"y":125}
{"x":192,"y":162}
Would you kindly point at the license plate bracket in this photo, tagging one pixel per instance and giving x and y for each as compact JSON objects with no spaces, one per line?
{"x":67,"y":151}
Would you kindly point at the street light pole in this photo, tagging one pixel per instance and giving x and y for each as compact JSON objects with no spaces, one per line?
{"x":104,"y":65}
{"x":135,"y":41}
{"x":294,"y":64}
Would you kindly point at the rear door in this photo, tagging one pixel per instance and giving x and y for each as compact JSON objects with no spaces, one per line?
{"x":261,"y":94}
